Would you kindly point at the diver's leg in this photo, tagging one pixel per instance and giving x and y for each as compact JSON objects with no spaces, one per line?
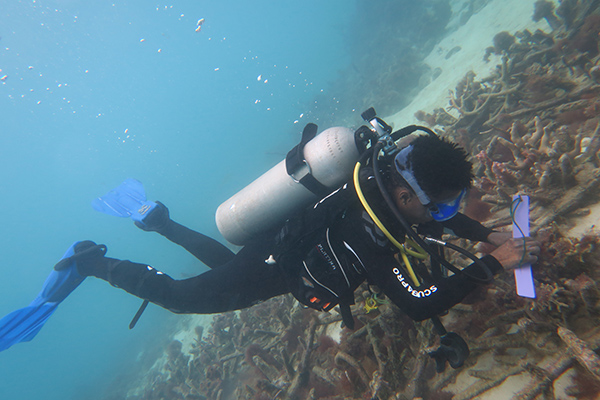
{"x":204,"y":248}
{"x":240,"y":283}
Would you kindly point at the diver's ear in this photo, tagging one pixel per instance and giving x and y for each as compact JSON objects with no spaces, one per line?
{"x":403,"y":195}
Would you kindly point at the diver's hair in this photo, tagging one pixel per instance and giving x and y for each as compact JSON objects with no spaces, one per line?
{"x":440,"y":165}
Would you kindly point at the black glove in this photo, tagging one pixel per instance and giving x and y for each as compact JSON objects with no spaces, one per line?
{"x":156,"y":220}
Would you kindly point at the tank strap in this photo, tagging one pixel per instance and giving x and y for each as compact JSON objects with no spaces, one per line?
{"x":297,"y":167}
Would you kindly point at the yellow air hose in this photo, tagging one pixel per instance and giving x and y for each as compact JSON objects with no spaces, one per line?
{"x":416,"y":250}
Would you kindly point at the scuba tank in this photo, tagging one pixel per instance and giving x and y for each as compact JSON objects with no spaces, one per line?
{"x":311,"y":170}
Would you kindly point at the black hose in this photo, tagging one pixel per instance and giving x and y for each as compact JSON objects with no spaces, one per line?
{"x":468,"y":254}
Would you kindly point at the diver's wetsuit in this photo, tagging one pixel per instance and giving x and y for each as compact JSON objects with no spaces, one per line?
{"x":323,"y":253}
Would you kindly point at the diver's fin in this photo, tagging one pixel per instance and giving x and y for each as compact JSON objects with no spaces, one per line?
{"x":126,"y":200}
{"x":22,"y":325}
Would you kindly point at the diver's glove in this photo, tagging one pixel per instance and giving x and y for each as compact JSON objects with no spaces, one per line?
{"x":157,"y":220}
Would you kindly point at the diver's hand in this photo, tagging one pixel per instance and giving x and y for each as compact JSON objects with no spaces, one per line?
{"x":156,"y":220}
{"x":516,"y":252}
{"x":498,"y":238}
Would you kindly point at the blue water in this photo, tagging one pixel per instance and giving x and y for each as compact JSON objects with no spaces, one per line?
{"x":96,"y":92}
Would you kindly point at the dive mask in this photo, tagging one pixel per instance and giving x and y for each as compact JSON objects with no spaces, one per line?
{"x":446,"y":210}
{"x":440,"y":211}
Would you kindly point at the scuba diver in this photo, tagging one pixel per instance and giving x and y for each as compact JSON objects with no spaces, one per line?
{"x":361,"y":231}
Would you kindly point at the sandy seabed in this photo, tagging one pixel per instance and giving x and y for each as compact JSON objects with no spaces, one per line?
{"x":472,"y":38}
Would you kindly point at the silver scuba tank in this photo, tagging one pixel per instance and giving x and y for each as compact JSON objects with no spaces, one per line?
{"x":328,"y":158}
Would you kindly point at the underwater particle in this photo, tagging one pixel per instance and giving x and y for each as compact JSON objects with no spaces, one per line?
{"x":126,"y":130}
{"x":159,"y":50}
{"x":216,"y":69}
{"x":259,"y":78}
{"x":30,"y":67}
{"x":199,"y":24}
{"x":3,"y":78}
{"x":142,"y":40}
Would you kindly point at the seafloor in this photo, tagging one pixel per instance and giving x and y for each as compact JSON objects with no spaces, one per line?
{"x":533,"y":127}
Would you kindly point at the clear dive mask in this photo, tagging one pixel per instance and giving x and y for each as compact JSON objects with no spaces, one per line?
{"x":440,"y":211}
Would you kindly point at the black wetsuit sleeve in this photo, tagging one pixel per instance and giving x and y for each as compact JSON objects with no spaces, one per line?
{"x":433,"y":297}
{"x":206,"y":249}
{"x":467,"y":228}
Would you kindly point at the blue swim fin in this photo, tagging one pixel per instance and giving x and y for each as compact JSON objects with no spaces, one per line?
{"x":126,"y":200}
{"x":22,"y":325}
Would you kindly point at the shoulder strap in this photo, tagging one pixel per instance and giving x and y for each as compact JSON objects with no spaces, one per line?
{"x":295,"y":163}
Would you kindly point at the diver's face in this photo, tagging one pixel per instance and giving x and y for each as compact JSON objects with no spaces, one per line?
{"x":411,"y":208}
